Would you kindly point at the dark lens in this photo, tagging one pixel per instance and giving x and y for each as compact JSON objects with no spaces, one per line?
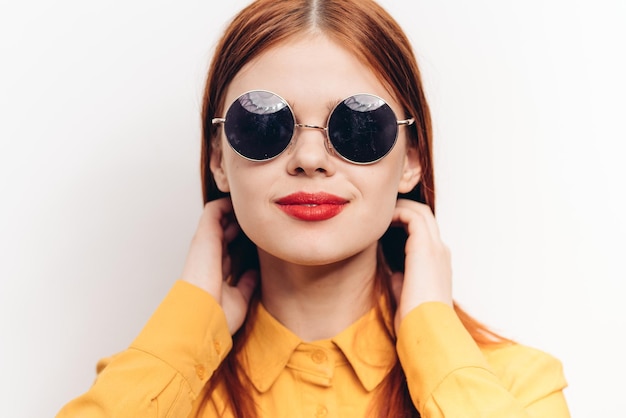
{"x":363,"y":128}
{"x":259,"y":125}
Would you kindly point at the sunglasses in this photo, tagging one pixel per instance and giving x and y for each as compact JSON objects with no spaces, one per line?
{"x":362,"y":129}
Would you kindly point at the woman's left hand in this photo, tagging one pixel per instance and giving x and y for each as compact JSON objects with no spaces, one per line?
{"x":427,"y":270}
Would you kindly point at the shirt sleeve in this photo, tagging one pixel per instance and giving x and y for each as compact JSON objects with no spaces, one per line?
{"x":167,"y":365}
{"x":449,"y":376}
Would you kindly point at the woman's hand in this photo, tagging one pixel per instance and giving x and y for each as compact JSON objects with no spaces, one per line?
{"x":428,"y":271}
{"x":208,"y":263}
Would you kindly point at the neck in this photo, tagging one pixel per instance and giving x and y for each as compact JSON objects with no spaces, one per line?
{"x":318,"y":302}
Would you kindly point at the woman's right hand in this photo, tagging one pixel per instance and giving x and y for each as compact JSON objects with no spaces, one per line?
{"x":208,"y":262}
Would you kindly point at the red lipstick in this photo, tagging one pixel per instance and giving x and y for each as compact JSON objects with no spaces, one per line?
{"x":311,"y":206}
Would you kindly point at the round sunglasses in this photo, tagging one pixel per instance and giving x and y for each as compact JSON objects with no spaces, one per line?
{"x":362,"y":129}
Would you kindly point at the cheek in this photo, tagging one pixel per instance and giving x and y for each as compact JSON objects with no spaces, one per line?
{"x":249,"y":194}
{"x":379,"y":191}
{"x":388,"y":179}
{"x":382,"y":206}
{"x":383,"y":178}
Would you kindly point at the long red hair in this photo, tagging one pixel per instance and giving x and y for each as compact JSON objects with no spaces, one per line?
{"x":368,"y":31}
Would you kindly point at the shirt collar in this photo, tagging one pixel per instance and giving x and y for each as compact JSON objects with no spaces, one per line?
{"x":366,"y":344}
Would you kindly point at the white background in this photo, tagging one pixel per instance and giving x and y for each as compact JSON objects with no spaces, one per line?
{"x":100,"y":192}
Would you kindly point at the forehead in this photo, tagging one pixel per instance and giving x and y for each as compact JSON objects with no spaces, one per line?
{"x":310,"y":69}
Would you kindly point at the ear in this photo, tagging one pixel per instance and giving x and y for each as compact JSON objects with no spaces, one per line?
{"x":411,"y":172}
{"x":216,"y":164}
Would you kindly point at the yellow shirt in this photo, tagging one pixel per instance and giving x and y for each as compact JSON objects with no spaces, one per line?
{"x":165,"y":370}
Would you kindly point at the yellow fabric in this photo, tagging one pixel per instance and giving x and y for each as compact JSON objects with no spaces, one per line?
{"x":165,"y":371}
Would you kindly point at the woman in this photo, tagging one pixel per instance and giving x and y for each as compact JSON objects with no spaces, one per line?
{"x":317,"y":249}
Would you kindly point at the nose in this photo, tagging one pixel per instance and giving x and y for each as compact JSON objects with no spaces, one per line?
{"x":309,"y":152}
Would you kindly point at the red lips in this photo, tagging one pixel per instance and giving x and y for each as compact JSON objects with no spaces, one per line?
{"x":312,"y":206}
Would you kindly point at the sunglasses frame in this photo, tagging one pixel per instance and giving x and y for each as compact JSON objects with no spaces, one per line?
{"x":327,"y":143}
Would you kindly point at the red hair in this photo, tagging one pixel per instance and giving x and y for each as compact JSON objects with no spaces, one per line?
{"x":372,"y":35}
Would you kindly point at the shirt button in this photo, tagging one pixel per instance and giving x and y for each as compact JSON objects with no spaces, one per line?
{"x":318,"y":357}
{"x":200,"y":371}
{"x":218,"y":347}
{"x":321,"y":411}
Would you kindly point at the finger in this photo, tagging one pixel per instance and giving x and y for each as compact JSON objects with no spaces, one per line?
{"x":397,"y":279}
{"x":204,"y":259}
{"x":226,"y":267}
{"x":247,"y":283}
{"x":416,"y":217}
{"x":220,"y":209}
{"x":231,"y":230}
{"x":419,"y":208}
{"x":416,"y":223}
{"x":210,"y":233}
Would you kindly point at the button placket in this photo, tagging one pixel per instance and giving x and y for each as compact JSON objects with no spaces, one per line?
{"x":218,"y":347}
{"x":200,"y":371}
{"x":319,"y":357}
{"x":321,"y":411}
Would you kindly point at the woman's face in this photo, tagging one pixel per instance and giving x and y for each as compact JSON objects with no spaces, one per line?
{"x":272,"y":199}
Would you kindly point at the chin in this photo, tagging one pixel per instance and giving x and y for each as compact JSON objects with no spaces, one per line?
{"x":317,"y":257}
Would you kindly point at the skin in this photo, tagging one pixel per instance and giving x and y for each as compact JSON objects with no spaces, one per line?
{"x":317,"y":277}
